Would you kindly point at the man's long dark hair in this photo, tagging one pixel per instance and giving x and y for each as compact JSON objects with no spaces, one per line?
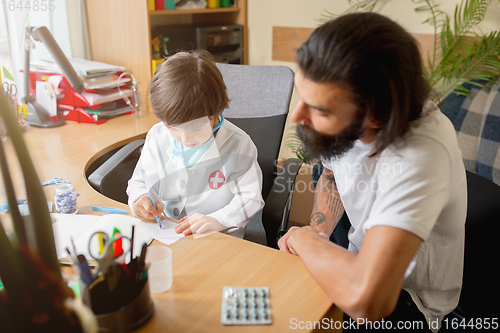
{"x":377,"y":61}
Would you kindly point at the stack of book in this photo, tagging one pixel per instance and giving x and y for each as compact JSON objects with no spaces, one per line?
{"x":105,"y":94}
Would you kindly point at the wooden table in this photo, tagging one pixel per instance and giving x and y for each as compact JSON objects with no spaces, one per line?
{"x":201,"y":267}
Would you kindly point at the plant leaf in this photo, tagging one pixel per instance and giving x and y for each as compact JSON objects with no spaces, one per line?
{"x":17,"y":219}
{"x":355,"y":6}
{"x":481,"y":62}
{"x":10,"y":271}
{"x":43,"y":241}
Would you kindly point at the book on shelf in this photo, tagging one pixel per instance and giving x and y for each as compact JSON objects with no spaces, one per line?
{"x":160,"y":4}
{"x":151,"y":5}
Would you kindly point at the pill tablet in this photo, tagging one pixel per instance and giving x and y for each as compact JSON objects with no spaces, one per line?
{"x":245,"y":306}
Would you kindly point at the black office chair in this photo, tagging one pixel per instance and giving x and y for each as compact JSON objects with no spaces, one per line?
{"x":480,"y":295}
{"x":259,"y":103}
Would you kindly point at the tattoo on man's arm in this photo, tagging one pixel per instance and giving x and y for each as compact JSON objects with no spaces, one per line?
{"x":335,"y":205}
{"x":317,"y":218}
{"x":328,"y":184}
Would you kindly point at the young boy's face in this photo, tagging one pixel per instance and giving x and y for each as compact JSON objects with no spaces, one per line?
{"x":192,"y":133}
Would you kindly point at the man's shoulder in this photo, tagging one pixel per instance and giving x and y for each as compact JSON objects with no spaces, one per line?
{"x":433,"y":131}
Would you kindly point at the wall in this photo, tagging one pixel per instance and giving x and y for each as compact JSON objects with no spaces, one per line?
{"x":264,"y":14}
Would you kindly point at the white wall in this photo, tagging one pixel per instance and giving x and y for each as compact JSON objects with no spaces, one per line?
{"x":264,"y":14}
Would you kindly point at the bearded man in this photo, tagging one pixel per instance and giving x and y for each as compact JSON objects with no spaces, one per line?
{"x":392,"y":163}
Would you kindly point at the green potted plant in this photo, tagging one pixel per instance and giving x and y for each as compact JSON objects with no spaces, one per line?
{"x":462,"y":53}
{"x":34,"y":297}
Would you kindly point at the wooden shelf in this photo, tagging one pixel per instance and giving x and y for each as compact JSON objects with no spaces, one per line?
{"x":194,"y":11}
{"x":120,"y":32}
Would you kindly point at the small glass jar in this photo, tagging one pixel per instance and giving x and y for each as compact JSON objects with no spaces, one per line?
{"x":65,"y":199}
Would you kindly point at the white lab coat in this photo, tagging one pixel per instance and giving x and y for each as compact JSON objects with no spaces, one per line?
{"x":226,"y":183}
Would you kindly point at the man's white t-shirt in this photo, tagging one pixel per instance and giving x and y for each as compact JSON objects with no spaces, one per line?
{"x":418,"y":185}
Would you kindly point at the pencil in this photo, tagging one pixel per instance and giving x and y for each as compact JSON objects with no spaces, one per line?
{"x":149,"y":194}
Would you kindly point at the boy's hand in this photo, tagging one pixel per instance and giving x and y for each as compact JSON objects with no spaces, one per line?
{"x":198,"y":224}
{"x":145,"y":211}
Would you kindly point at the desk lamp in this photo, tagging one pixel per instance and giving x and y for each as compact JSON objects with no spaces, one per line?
{"x":37,"y":115}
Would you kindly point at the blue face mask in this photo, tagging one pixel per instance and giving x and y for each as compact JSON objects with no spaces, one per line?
{"x":193,"y":155}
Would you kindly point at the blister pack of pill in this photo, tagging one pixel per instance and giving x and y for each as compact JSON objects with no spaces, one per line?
{"x":245,"y":306}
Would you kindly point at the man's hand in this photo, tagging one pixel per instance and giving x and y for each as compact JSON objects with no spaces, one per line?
{"x":198,"y":224}
{"x":290,"y":239}
{"x":283,"y":242}
{"x":144,"y":210}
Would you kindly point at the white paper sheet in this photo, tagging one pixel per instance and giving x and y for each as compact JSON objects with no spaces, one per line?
{"x":82,"y":227}
{"x":46,"y":97}
{"x":166,"y":235}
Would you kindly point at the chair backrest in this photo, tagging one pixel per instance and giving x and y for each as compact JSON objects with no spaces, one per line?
{"x":480,"y":292}
{"x":259,"y":103}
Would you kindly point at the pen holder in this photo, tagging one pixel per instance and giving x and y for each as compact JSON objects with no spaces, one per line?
{"x":127,"y":317}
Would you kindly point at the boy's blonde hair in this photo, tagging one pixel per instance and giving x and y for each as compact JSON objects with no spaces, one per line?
{"x":187,"y":86}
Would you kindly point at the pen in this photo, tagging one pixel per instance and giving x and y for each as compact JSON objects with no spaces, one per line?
{"x":72,"y":258}
{"x":149,"y":191}
{"x":132,"y":243}
{"x":141,"y":262}
{"x":111,"y":210}
{"x":85,"y":272}
{"x":74,"y":247}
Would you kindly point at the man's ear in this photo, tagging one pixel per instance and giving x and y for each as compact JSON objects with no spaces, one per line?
{"x":373,"y":123}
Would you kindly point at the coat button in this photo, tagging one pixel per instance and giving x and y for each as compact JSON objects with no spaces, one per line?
{"x":176,"y":212}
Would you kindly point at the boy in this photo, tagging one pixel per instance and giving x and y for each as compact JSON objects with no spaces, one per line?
{"x":202,"y":169}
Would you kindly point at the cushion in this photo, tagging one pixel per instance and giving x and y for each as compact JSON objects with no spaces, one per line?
{"x":477,"y":122}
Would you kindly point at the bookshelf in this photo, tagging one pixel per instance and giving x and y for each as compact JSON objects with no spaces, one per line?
{"x":194,"y":11}
{"x":120,"y":32}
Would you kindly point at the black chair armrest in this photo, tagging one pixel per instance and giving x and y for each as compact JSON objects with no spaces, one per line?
{"x":278,"y":203}
{"x":99,"y":175}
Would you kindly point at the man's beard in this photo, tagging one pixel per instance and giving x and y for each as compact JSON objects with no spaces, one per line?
{"x":317,"y":146}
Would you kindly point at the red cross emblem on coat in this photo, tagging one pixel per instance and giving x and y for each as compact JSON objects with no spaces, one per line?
{"x":216,"y":180}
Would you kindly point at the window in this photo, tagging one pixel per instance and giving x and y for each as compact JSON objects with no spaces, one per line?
{"x":62,"y":18}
